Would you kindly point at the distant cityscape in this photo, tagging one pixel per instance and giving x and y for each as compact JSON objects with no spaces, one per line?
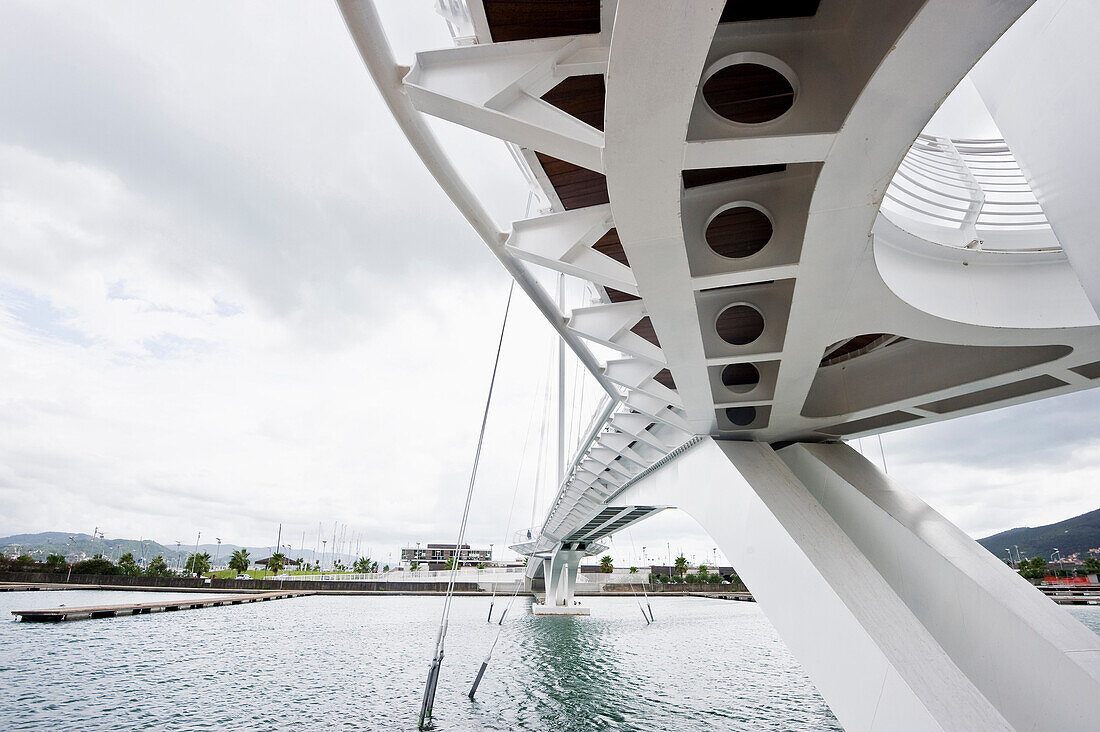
{"x":1064,"y":546}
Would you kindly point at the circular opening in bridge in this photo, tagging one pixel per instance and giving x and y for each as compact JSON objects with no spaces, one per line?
{"x":749,"y":89}
{"x":741,"y":416}
{"x":739,"y":324}
{"x":740,"y":378}
{"x":737,"y":231}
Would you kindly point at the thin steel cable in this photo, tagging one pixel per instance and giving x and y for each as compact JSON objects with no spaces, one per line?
{"x":542,"y":442}
{"x":437,"y":660}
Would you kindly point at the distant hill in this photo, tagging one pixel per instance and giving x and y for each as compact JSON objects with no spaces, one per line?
{"x":82,"y":546}
{"x":1075,"y":535}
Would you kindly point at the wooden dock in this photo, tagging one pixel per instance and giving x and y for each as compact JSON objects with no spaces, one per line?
{"x":58,"y":614}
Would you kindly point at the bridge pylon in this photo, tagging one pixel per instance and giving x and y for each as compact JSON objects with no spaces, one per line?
{"x":560,"y":568}
{"x":901,"y":620}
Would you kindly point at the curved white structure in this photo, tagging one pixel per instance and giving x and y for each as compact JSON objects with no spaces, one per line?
{"x":716,"y":172}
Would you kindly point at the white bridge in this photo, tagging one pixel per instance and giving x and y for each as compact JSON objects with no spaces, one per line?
{"x":783,"y":261}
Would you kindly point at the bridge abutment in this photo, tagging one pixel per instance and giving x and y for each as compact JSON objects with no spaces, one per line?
{"x":902,"y":621}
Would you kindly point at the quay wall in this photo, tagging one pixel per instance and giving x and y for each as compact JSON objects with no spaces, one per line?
{"x":111,"y":581}
{"x":124,"y":581}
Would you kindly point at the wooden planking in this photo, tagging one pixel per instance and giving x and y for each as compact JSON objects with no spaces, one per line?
{"x":748,"y":93}
{"x":739,"y":232}
{"x":58,"y":614}
{"x":619,"y":296}
{"x":644,"y":328}
{"x":518,"y":20}
{"x":576,"y":187}
{"x":739,"y":11}
{"x":851,"y":345}
{"x":738,"y":376}
{"x":610,"y":245}
{"x":740,"y":325}
{"x":708,"y":176}
{"x":580,"y":96}
{"x":857,"y":346}
{"x":664,"y":377}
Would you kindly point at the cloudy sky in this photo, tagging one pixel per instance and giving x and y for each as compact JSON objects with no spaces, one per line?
{"x":230,"y":296}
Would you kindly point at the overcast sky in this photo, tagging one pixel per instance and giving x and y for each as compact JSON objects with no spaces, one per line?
{"x":230,"y":296}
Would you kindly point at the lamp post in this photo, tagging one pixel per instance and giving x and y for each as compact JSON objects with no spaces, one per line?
{"x":179,"y":557}
{"x":1052,"y":560}
{"x":1009,"y":556}
{"x":195,"y":556}
{"x":218,"y":554}
{"x":324,"y":545}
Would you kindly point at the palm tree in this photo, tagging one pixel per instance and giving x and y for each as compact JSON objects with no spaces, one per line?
{"x":681,"y":565}
{"x":606,"y":565}
{"x":239,"y":561}
{"x":276,"y":563}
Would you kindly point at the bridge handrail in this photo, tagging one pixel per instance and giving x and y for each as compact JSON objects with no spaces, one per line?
{"x":971,"y":191}
{"x":463,"y":575}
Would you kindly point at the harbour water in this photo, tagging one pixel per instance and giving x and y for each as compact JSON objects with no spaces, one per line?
{"x":358,"y":663}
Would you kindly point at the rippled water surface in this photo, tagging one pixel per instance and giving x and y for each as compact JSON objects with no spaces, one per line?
{"x":359,"y":663}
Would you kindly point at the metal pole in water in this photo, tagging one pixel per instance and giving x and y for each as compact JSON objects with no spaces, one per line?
{"x":433,"y":673}
{"x":477,"y":681}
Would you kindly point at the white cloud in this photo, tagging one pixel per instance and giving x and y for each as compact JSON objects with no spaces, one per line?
{"x":230,"y":296}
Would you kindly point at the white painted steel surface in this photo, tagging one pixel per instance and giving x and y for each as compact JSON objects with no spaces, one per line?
{"x":902,"y":621}
{"x":956,"y":286}
{"x":1039,"y":84}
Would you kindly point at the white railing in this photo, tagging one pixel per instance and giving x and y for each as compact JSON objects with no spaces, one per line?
{"x":967,"y":193}
{"x":459,"y":21}
{"x":463,"y":575}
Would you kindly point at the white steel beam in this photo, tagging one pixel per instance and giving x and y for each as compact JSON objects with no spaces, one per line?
{"x":658,"y":51}
{"x":496,"y":89}
{"x":365,"y":27}
{"x":563,"y":242}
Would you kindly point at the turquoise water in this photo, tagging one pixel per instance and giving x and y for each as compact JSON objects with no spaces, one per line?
{"x":359,"y":663}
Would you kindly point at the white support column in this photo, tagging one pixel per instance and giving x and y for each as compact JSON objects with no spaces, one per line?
{"x":561,"y":576}
{"x":902,"y":621}
{"x":1035,"y":82}
{"x":572,"y":565}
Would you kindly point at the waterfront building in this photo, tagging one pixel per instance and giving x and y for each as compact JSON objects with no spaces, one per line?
{"x":434,"y":557}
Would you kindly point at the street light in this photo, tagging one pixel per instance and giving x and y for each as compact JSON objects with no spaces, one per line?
{"x":1052,"y":560}
{"x":179,"y":557}
{"x":324,"y":544}
{"x":1009,"y":556}
{"x":195,"y":556}
{"x":219,"y":552}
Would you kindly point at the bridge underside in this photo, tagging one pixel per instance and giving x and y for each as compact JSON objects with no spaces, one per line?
{"x":714,"y":172}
